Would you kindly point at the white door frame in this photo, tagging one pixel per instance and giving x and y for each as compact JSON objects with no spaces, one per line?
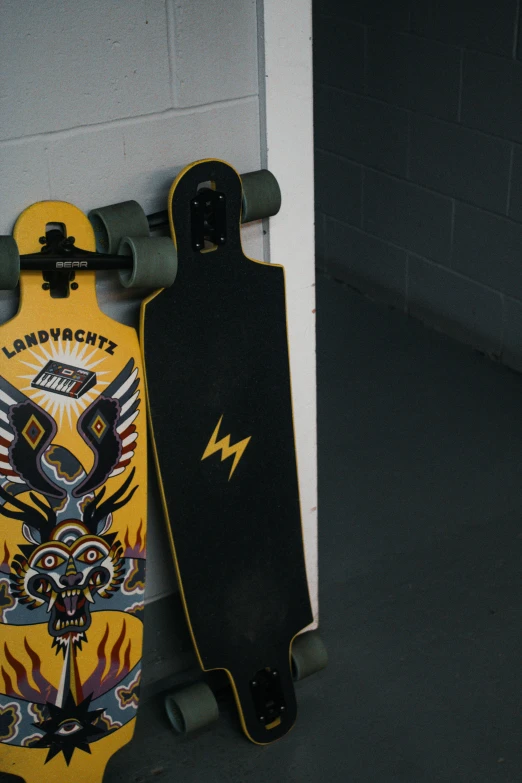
{"x":286,"y":99}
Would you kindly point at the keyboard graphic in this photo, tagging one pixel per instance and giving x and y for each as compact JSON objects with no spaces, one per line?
{"x":64,"y":379}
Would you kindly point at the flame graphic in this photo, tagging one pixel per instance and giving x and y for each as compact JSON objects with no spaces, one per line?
{"x":118,"y":662}
{"x":138,"y":548}
{"x":16,"y":683}
{"x":4,"y":565}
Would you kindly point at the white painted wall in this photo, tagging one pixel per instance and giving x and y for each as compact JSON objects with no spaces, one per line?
{"x":106,"y":100}
{"x":287,"y":150}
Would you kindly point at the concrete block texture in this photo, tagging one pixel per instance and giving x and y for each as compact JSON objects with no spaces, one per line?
{"x":431,"y":111}
{"x":411,"y":217}
{"x":339,"y":54}
{"x":488,"y":248}
{"x":140,"y":159}
{"x":413,"y":73}
{"x":359,"y":128}
{"x":511,"y":353}
{"x":458,"y":306}
{"x":81,"y":63}
{"x":23,"y":179}
{"x":338,"y":187}
{"x":460,"y":162}
{"x":369,"y":12}
{"x":486,"y":25}
{"x":214,"y":50}
{"x":376,"y":267}
{"x":492,"y":95}
{"x":320,"y":240}
{"x":515,"y":196}
{"x":143,"y":156}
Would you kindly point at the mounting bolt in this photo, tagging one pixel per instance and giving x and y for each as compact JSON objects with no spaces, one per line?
{"x":74,"y":286}
{"x":42,"y":240}
{"x":46,"y":286}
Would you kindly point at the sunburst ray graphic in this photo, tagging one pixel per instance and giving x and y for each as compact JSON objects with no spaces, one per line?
{"x":66,"y":352}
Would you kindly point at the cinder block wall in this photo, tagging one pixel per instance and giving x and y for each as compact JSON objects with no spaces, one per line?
{"x":103,"y":101}
{"x":418,"y":136}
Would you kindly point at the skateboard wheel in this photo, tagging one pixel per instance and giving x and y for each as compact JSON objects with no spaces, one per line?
{"x":9,"y":263}
{"x":155,"y":262}
{"x":116,"y":221}
{"x":261,"y":195}
{"x":309,"y":655}
{"x":191,"y":708}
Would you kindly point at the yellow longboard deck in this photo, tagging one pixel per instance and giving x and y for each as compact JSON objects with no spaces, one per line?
{"x":72,"y":522}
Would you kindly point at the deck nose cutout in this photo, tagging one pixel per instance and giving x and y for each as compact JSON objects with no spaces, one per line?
{"x":208,"y":219}
{"x":267,"y":694}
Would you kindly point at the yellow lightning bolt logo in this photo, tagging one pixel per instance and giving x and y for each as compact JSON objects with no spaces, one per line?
{"x":225,"y":448}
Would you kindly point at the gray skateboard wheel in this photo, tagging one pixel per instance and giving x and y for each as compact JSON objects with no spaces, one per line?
{"x":9,"y":263}
{"x":191,"y":708}
{"x":309,"y":655}
{"x":261,"y":195}
{"x":155,"y":262}
{"x":116,"y":221}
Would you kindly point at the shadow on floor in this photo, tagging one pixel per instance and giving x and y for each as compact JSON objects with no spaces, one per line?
{"x":420,"y":498}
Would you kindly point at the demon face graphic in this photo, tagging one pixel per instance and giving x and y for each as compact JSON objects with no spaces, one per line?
{"x":78,"y":563}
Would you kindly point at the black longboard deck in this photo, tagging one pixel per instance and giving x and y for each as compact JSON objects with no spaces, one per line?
{"x":218,"y":378}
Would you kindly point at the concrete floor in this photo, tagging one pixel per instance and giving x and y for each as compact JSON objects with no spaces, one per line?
{"x":420,"y":468}
{"x":420,"y":456}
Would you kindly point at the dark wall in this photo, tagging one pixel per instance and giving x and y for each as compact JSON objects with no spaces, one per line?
{"x":418,"y":134}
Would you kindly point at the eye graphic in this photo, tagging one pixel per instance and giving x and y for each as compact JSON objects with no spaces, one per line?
{"x":91,"y":555}
{"x":50,"y":561}
{"x":69,"y":727}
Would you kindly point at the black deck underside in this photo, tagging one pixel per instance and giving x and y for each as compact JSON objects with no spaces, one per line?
{"x":216,"y":349}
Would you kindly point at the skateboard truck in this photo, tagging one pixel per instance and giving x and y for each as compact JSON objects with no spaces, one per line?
{"x":208,"y":218}
{"x":59,"y":259}
{"x":56,"y":247}
{"x":261,"y":198}
{"x":267,"y":694}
